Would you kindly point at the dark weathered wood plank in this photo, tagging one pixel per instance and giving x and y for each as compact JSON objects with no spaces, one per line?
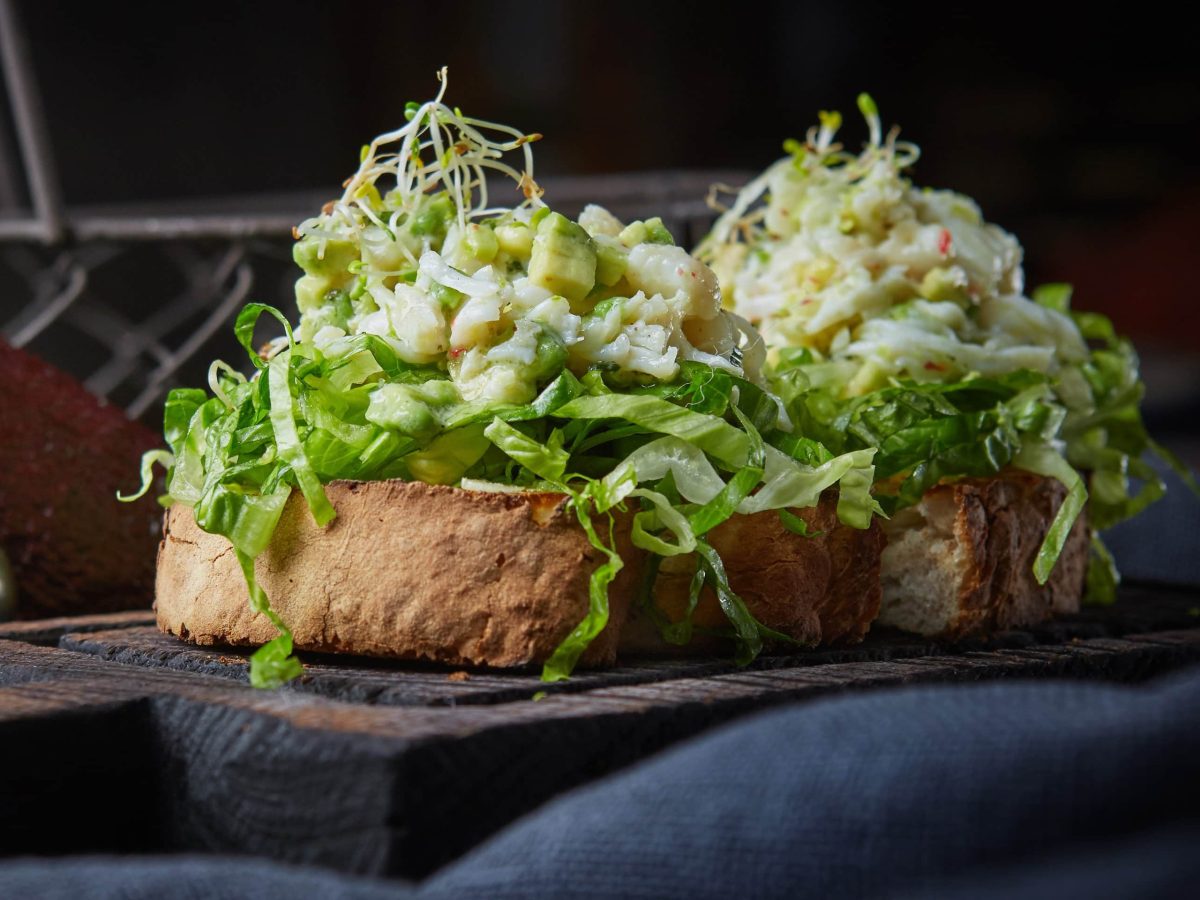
{"x":78,"y":777}
{"x":364,"y":680}
{"x":48,"y":631}
{"x":400,"y":789}
{"x":1181,"y":637}
{"x":358,"y":680}
{"x":377,"y":767}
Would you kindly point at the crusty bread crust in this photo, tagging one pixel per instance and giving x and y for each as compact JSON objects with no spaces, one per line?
{"x":818,"y":589}
{"x":416,"y":571}
{"x":406,"y":570}
{"x":961,"y":561}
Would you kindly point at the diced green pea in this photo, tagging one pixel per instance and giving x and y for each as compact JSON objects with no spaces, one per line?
{"x":448,"y":297}
{"x":657,"y":233}
{"x":550,"y":357}
{"x":434,"y":219}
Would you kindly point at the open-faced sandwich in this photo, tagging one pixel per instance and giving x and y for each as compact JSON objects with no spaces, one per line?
{"x":493,"y":433}
{"x":1007,"y":426}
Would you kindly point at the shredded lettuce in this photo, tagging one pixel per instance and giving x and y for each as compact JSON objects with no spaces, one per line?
{"x":694,"y":476}
{"x":1044,"y":460}
{"x":788,"y":483}
{"x":899,"y":320}
{"x":247,"y":520}
{"x":748,"y":633}
{"x":562,"y":661}
{"x":1177,"y":465}
{"x":746,"y":628}
{"x":243,"y":329}
{"x":714,"y":436}
{"x":1103,"y":578}
{"x":796,"y":525}
{"x":1082,"y":426}
{"x":546,"y":460}
{"x":738,"y":488}
{"x":272,"y":664}
{"x":149,"y":460}
{"x":287,"y":438}
{"x":662,"y":515}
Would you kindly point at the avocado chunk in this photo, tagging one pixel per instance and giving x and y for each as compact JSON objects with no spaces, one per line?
{"x":311,"y":291}
{"x":449,"y":455}
{"x":657,"y":233}
{"x":633,"y":234}
{"x":480,"y":242}
{"x":652,"y":231}
{"x":333,"y":262}
{"x":515,"y":239}
{"x":433,"y":220}
{"x":563,"y":259}
{"x":396,"y":406}
{"x":611,"y":262}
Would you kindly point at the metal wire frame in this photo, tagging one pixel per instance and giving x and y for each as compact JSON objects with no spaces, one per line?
{"x":132,"y":340}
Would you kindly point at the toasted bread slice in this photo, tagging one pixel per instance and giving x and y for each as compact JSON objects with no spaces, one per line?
{"x":416,"y":571}
{"x":406,"y":570}
{"x":822,"y":588}
{"x":961,"y":560}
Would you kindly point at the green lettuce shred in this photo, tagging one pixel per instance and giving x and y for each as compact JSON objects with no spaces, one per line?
{"x":562,"y":661}
{"x":1045,"y":460}
{"x":272,"y":664}
{"x":1082,"y":426}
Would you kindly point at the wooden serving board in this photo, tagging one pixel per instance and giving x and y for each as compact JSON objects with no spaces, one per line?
{"x":145,"y":744}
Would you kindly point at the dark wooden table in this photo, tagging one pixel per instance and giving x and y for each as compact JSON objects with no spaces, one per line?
{"x":143,"y":744}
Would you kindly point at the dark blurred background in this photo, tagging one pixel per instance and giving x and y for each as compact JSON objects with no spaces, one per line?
{"x":1078,"y":132}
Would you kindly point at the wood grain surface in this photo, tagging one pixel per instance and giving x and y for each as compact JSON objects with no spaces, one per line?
{"x":373,"y":767}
